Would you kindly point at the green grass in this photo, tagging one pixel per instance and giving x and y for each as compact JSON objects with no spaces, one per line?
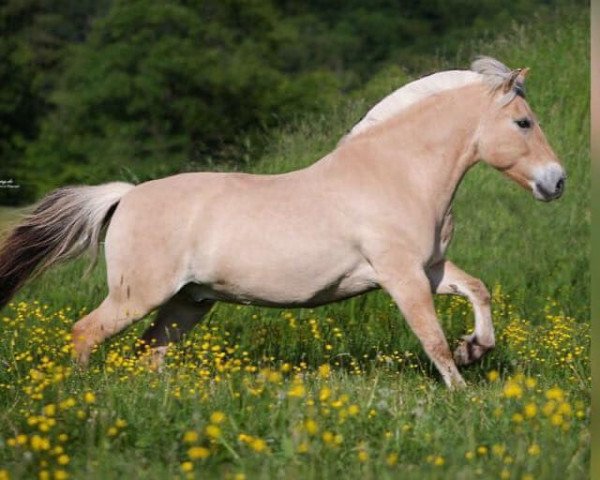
{"x":263,"y":367}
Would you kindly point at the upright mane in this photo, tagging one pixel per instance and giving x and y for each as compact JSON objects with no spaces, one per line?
{"x":483,"y":69}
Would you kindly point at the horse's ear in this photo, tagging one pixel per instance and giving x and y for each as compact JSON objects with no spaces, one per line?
{"x":522,"y":75}
{"x":517,"y":77}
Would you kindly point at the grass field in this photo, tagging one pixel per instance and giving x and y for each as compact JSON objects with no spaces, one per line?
{"x":345,"y":390}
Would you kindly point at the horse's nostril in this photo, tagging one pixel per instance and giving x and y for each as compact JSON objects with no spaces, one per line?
{"x":560,"y":185}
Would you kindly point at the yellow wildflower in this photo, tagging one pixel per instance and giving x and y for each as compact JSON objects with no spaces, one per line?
{"x":493,"y":375}
{"x":517,"y":418}
{"x":303,"y":447}
{"x":217,"y":417}
{"x":49,"y":410}
{"x":258,"y":445}
{"x":190,"y":437}
{"x":187,"y":466}
{"x":534,"y":449}
{"x":297,"y":390}
{"x":196,"y":453}
{"x":324,"y":394}
{"x":89,"y":397}
{"x":324,"y":371}
{"x":530,"y":410}
{"x":311,"y":426}
{"x":213,"y":431}
{"x":555,"y":393}
{"x":512,"y":390}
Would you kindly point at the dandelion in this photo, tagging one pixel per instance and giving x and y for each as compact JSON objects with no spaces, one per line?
{"x":4,"y":475}
{"x":120,"y":423}
{"x":391,"y":459}
{"x":311,"y":426}
{"x":89,"y":397}
{"x":49,"y":410}
{"x":297,"y":391}
{"x":190,"y":436}
{"x":530,"y":410}
{"x":498,"y":449}
{"x":213,"y":431}
{"x":112,"y":432}
{"x":512,"y":390}
{"x":60,"y":475}
{"x":564,"y":409}
{"x":353,"y":410}
{"x":259,"y":445}
{"x":198,"y":453}
{"x":556,"y":419}
{"x":363,"y":456}
{"x":469,"y":455}
{"x":217,"y":417}
{"x":493,"y":375}
{"x":63,"y":459}
{"x":555,"y":393}
{"x":303,"y":447}
{"x":324,"y":371}
{"x":534,"y":449}
{"x":324,"y":394}
{"x":187,"y":467}
{"x":517,"y":418}
{"x":439,"y":461}
{"x":482,"y":450}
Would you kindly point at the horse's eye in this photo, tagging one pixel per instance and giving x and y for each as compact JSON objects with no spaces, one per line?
{"x":523,"y":123}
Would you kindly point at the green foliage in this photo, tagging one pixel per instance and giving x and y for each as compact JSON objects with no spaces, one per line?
{"x":160,"y":85}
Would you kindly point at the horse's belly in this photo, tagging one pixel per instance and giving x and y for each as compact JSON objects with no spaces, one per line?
{"x":288,"y":288}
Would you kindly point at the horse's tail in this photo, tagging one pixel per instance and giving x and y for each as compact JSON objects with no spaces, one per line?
{"x":64,"y":224}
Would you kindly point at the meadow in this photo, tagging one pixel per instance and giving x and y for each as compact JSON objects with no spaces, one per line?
{"x":343,"y":390}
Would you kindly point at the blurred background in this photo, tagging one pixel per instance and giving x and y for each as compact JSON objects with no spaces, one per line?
{"x":99,"y":90}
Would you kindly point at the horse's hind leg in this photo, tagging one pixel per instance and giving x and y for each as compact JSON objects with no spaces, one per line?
{"x":109,"y":318}
{"x":174,"y":319}
{"x":129,"y":299}
{"x":447,"y":278}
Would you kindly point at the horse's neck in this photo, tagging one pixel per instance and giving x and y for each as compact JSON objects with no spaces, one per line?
{"x":428,"y":150}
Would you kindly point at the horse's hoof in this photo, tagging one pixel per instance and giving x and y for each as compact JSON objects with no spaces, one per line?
{"x":469,"y":350}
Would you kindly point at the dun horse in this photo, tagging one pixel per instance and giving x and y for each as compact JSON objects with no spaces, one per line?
{"x":373,"y":213}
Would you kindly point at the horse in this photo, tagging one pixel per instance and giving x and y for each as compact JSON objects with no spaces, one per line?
{"x":373,"y":213}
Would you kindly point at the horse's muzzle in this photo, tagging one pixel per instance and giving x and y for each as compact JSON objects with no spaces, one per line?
{"x":550,"y":185}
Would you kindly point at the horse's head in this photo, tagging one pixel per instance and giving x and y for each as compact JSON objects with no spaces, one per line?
{"x":510,"y":138}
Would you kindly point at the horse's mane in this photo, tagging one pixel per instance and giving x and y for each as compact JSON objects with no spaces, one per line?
{"x":483,"y":69}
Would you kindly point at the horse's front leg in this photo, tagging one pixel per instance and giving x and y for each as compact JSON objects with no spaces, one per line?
{"x":447,"y":278}
{"x":409,"y":287}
